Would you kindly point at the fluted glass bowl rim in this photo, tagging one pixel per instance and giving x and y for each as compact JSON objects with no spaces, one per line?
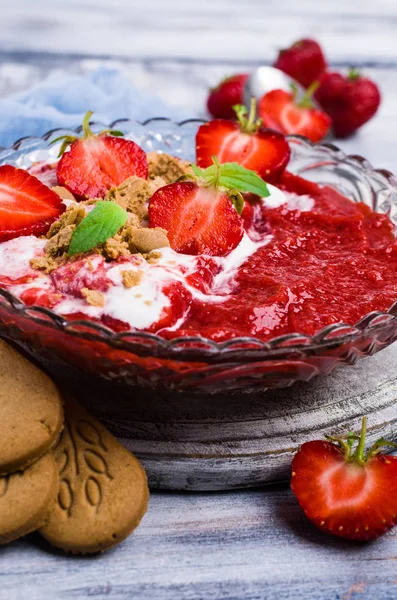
{"x":184,"y":347}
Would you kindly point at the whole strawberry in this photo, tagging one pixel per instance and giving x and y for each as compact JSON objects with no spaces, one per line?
{"x":345,"y":491}
{"x":350,"y":101}
{"x":228,"y":93}
{"x":304,"y":61}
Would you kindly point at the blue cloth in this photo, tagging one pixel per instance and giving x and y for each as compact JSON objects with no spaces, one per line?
{"x":62,"y":100}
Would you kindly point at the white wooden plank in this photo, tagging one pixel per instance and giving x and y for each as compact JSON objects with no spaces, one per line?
{"x":211,"y":29}
{"x":246,"y":545}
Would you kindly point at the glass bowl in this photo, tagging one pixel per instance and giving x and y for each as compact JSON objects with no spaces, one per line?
{"x":195,"y":364}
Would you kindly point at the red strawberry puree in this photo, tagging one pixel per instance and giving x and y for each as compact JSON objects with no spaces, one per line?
{"x":309,"y":258}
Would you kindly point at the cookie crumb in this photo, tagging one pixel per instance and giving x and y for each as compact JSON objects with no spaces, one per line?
{"x":93,"y":297}
{"x":148,"y":302}
{"x":131,"y":278}
{"x":60,"y":242}
{"x":152,"y":257}
{"x":169,"y":168}
{"x":114,"y":247}
{"x":73,"y":215}
{"x":146,"y":239}
{"x":134,"y":193}
{"x":44,"y":263}
{"x":63,"y":193}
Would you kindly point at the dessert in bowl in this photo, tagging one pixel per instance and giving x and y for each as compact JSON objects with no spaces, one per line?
{"x":299,"y":282}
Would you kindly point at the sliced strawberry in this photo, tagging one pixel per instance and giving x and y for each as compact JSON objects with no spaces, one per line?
{"x":27,"y":206}
{"x":281,"y":111}
{"x":226,"y":95}
{"x":265,"y":152}
{"x":245,"y":142}
{"x":347,"y":493}
{"x":95,"y":163}
{"x":198,"y":220}
{"x":304,"y":61}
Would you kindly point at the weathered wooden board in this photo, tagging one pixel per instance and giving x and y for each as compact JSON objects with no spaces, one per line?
{"x":227,"y":441}
{"x":231,"y":546}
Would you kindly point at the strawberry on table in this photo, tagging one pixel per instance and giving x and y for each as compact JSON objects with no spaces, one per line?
{"x":283,"y":112}
{"x":345,"y":491}
{"x":304,"y":61}
{"x":350,"y":101}
{"x":95,"y":163}
{"x":226,"y":95}
{"x":202,"y":216}
{"x":245,"y":142}
{"x":27,"y":206}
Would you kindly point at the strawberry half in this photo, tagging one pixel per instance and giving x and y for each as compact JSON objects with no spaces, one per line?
{"x":304,"y":61}
{"x":27,"y":206}
{"x":245,"y":142}
{"x":203,"y":216}
{"x":346,"y":492}
{"x":281,"y":111}
{"x":226,"y":95}
{"x":95,"y":163}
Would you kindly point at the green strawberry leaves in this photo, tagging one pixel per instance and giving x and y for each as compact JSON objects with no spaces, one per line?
{"x":67,"y":140}
{"x":232,"y":176}
{"x":102,"y":223}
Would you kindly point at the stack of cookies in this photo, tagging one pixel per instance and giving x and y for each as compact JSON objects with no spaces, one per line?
{"x":61,"y":472}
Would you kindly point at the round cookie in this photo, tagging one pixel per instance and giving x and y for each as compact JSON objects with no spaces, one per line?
{"x":103,"y":491}
{"x":27,"y":497}
{"x":31,"y":412}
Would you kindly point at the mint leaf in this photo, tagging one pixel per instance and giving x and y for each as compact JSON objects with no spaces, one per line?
{"x":234,"y":176}
{"x":102,"y":223}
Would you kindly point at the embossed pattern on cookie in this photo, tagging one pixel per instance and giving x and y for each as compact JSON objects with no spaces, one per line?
{"x":103,"y":490}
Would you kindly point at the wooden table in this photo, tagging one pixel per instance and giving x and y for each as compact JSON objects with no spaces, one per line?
{"x":240,"y":545}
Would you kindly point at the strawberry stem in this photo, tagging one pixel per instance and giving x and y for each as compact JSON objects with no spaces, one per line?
{"x":359,"y":455}
{"x":307,"y":99}
{"x":217,"y":174}
{"x":250,"y":124}
{"x":353,"y":74}
{"x":86,"y":124}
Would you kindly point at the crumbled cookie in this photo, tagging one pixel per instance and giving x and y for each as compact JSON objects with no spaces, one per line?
{"x":93,"y":297}
{"x":114,"y":247}
{"x":134,"y":193}
{"x":60,"y":242}
{"x":63,"y":193}
{"x":73,"y":215}
{"x":169,"y":168}
{"x":44,"y":263}
{"x":152,"y":257}
{"x":146,"y":239}
{"x":131,"y":278}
